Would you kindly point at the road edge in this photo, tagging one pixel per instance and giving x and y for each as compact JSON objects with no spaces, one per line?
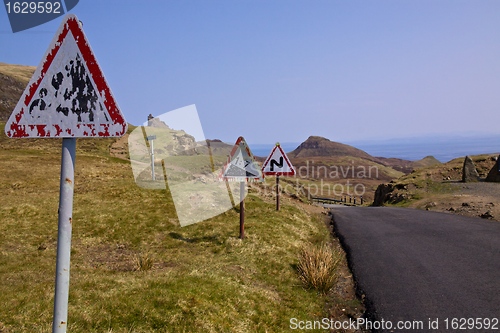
{"x":370,"y":313}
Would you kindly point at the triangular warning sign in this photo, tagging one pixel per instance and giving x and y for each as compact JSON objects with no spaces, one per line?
{"x":277,"y":163}
{"x":67,"y":95}
{"x":241,"y":164}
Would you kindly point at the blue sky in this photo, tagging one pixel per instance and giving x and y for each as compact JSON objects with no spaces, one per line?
{"x":282,"y":70}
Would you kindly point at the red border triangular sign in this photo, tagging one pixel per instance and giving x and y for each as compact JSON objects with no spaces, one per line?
{"x":277,"y":163}
{"x":67,"y":97}
{"x":241,"y":165}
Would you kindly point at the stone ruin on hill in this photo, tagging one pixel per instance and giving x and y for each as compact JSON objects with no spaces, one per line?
{"x":494,"y":174}
{"x":156,"y":122}
{"x":469,"y":173}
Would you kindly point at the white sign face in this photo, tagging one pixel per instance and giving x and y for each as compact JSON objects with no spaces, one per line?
{"x":277,"y":163}
{"x":241,"y":165}
{"x":67,"y":95}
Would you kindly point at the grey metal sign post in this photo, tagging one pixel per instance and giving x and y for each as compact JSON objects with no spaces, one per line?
{"x":151,"y":139}
{"x":67,"y":185}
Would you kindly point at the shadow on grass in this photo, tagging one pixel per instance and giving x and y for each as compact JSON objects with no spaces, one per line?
{"x":215,"y":239}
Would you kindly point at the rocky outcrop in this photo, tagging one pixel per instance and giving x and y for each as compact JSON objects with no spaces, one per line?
{"x":494,"y":174}
{"x":382,"y":194}
{"x":392,"y":193}
{"x":156,"y":122}
{"x":469,"y":171}
{"x":184,"y":143}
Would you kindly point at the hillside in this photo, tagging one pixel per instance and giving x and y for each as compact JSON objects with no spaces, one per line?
{"x":134,"y":269}
{"x":13,"y":81}
{"x":320,"y":161}
{"x":317,"y":159}
{"x":316,"y":146}
{"x":439,"y":187}
{"x":406,"y":166}
{"x":426,"y":162}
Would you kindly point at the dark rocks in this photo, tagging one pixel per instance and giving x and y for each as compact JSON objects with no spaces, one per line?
{"x":382,"y":193}
{"x":469,"y":171}
{"x":487,"y":215}
{"x":494,"y":174}
{"x":430,"y":205}
{"x":391,"y":193}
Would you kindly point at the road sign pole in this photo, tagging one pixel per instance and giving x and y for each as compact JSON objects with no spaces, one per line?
{"x":60,"y":321}
{"x":242,"y":210}
{"x":278,"y":192}
{"x":153,"y":176}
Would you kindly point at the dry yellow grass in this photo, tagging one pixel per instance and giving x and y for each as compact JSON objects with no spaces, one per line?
{"x":19,"y":72}
{"x":318,"y":267}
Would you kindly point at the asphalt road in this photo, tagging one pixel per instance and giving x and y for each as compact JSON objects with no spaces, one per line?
{"x":420,"y":266}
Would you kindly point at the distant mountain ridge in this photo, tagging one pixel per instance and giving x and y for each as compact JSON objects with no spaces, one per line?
{"x":316,"y":146}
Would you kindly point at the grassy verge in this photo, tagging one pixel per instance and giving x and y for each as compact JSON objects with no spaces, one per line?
{"x":133,"y":269}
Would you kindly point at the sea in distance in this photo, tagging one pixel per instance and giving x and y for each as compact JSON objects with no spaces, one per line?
{"x":443,"y":148}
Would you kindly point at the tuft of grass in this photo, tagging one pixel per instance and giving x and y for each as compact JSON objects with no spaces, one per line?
{"x":143,"y":262}
{"x":317,"y":267}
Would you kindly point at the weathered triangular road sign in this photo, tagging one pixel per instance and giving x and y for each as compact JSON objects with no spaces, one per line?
{"x":67,"y":97}
{"x":241,"y":165}
{"x":277,"y":163}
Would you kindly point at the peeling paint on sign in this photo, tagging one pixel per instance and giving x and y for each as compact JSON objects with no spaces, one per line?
{"x":67,"y":95}
{"x":241,"y":165}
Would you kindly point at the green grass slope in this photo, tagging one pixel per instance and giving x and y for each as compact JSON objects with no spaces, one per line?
{"x":133,"y":269}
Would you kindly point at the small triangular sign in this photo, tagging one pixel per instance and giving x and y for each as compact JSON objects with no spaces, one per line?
{"x":277,"y":163}
{"x":241,"y":164}
{"x":67,"y":97}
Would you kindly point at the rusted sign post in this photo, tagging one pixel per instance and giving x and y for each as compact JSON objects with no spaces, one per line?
{"x":68,"y":98}
{"x":242,"y":210}
{"x":278,"y":164}
{"x":242,"y":167}
{"x":278,"y":190}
